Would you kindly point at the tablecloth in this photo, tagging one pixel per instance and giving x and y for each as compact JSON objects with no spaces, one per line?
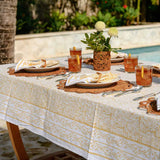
{"x":92,"y":126}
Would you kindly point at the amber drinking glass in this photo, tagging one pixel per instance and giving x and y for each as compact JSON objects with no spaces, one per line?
{"x":130,"y":63}
{"x":75,"y":63}
{"x":144,"y":75}
{"x":75,"y":51}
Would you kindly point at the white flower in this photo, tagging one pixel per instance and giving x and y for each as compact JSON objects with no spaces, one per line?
{"x":113,"y":32}
{"x":100,"y":26}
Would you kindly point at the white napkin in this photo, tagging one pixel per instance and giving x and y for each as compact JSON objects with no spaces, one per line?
{"x":158,"y":101}
{"x":119,"y":54}
{"x":22,"y":64}
{"x":90,"y":78}
{"x":157,"y":66}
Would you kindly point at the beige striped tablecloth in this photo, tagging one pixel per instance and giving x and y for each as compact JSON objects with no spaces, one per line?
{"x":92,"y":126}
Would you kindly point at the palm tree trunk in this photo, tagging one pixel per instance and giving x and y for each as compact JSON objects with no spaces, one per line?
{"x":8,"y":9}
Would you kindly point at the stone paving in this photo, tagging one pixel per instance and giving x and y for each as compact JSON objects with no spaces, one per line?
{"x":36,"y":146}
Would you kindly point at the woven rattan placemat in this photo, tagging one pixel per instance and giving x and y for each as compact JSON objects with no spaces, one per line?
{"x":57,"y":71}
{"x":150,"y":105}
{"x":118,"y":86}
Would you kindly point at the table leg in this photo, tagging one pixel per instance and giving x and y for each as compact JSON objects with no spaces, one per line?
{"x":16,"y":140}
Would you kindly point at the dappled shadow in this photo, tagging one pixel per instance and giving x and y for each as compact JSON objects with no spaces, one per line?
{"x":156,"y":80}
{"x":87,"y":66}
{"x":35,"y":145}
{"x":120,"y":70}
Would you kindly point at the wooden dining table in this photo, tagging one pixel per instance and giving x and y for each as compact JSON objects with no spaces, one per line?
{"x":93,"y":126}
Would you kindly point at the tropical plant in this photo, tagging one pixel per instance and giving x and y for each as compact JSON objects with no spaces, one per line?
{"x":107,"y":18}
{"x":56,"y":21}
{"x":128,"y":14}
{"x":24,"y":17}
{"x":107,"y":5}
{"x":97,"y":41}
{"x":53,"y":23}
{"x":79,"y":21}
{"x":154,"y":2}
{"x":39,"y":26}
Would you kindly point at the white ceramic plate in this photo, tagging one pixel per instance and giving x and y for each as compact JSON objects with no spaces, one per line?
{"x":120,"y":59}
{"x":96,"y":85}
{"x":38,"y":70}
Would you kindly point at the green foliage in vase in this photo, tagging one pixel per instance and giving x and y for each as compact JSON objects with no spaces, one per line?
{"x":97,"y":41}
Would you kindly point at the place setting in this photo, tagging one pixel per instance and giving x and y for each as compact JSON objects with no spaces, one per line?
{"x":94,"y":83}
{"x":43,"y":68}
{"x":144,"y":74}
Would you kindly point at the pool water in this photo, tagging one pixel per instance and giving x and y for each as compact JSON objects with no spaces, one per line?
{"x":145,"y":53}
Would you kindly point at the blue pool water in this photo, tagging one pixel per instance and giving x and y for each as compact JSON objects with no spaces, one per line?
{"x":145,"y":53}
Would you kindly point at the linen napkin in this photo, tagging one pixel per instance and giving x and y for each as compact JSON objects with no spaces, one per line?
{"x":91,"y":78}
{"x":22,"y":64}
{"x":157,"y":66}
{"x":158,"y":102}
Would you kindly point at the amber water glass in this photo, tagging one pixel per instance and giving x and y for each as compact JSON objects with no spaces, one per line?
{"x":75,"y":63}
{"x":130,"y":63}
{"x":77,"y":51}
{"x":145,"y":78}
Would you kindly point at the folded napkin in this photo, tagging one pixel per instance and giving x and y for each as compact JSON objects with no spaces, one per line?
{"x":91,"y":78}
{"x":118,"y":55}
{"x":158,"y":102}
{"x":22,"y":64}
{"x":156,"y":66}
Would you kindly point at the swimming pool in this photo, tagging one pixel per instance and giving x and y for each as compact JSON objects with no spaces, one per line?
{"x":146,"y":53}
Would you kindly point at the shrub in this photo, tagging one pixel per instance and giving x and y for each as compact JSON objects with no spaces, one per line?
{"x":56,"y":21}
{"x":108,"y":5}
{"x":128,"y":14}
{"x":107,"y":18}
{"x":79,"y":21}
{"x":52,"y":23}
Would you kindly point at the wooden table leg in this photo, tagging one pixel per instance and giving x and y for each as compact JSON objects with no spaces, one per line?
{"x":16,"y":140}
